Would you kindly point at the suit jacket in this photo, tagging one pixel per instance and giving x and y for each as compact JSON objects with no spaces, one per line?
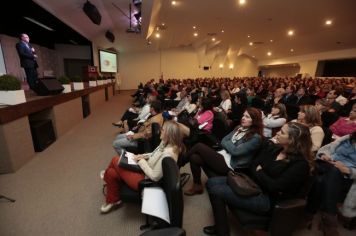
{"x":27,"y":57}
{"x":145,"y":130}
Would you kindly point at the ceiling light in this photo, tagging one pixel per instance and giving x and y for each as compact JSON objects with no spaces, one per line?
{"x":174,"y":3}
{"x":231,"y":66}
{"x":162,"y":24}
{"x":251,"y":43}
{"x":248,"y":36}
{"x":328,"y":22}
{"x":213,"y":39}
{"x":269,"y":54}
{"x":39,"y":23}
{"x":290,"y":32}
{"x":271,"y":40}
{"x":242,"y":2}
{"x":221,"y":66}
{"x":292,"y":50}
{"x":195,"y":34}
{"x":194,"y":27}
{"x":157,"y":35}
{"x":253,"y":56}
{"x":222,"y":31}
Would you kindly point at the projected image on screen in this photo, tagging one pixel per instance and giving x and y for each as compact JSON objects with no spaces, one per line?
{"x":108,"y":61}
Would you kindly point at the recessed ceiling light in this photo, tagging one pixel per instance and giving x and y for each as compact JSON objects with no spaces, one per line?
{"x":242,"y":2}
{"x":328,"y":22}
{"x":194,"y":27}
{"x":248,"y":36}
{"x":221,"y":66}
{"x":250,"y":43}
{"x":231,"y":66}
{"x":213,"y":39}
{"x":157,"y":35}
{"x":195,"y":34}
{"x":292,"y":50}
{"x":271,"y":40}
{"x":162,"y":24}
{"x":174,"y":3}
{"x":253,"y":56}
{"x":290,"y":32}
{"x":222,"y":31}
{"x":269,"y":53}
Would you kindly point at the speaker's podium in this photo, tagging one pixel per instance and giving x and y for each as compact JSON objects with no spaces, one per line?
{"x":48,"y":86}
{"x":89,"y":72}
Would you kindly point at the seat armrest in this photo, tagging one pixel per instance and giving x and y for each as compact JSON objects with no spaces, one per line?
{"x":147,"y":183}
{"x":290,"y":203}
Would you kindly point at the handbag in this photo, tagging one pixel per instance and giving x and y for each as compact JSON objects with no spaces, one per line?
{"x":242,"y":185}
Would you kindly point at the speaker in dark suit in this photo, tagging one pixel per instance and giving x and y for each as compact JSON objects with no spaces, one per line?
{"x":48,"y":86}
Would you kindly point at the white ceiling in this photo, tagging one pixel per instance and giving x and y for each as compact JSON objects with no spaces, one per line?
{"x":261,"y":19}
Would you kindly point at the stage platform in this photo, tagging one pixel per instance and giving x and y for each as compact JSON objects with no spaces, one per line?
{"x":63,"y":110}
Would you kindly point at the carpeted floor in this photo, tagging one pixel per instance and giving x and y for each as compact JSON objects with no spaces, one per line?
{"x":59,"y":191}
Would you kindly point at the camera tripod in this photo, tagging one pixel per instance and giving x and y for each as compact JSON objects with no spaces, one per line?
{"x":9,"y":199}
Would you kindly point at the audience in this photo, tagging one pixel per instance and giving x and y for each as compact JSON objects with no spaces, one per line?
{"x":334,"y":166}
{"x":280,"y":170}
{"x":150,"y":163}
{"x":238,"y":149}
{"x":345,"y":125}
{"x":129,"y":139}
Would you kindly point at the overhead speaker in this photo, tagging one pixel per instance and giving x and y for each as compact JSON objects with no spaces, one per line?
{"x":48,"y":86}
{"x":92,"y":12}
{"x":110,"y":36}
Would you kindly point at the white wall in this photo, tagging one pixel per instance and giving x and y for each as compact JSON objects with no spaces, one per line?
{"x":280,"y":71}
{"x":182,"y":63}
{"x":308,"y":63}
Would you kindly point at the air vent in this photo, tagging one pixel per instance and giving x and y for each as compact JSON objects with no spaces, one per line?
{"x":212,"y":34}
{"x":257,"y":43}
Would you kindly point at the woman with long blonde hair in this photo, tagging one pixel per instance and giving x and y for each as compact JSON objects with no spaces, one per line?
{"x":150,"y":163}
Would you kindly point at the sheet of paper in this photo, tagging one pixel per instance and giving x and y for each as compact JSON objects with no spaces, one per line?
{"x":130,"y":159}
{"x":154,"y":203}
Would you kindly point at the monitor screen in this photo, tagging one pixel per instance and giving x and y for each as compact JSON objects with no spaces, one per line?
{"x":108,"y":61}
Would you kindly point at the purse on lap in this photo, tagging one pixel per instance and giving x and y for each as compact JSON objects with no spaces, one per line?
{"x":242,"y":185}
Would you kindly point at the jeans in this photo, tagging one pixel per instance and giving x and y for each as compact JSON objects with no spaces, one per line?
{"x":121,"y":142}
{"x":329,"y":188}
{"x":220,"y":195}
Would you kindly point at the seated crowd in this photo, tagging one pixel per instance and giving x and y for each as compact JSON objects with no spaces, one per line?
{"x":286,"y":134}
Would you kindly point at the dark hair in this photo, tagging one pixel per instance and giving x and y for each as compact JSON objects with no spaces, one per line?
{"x":257,"y":123}
{"x":206,"y":104}
{"x":301,"y":143}
{"x":157,"y":106}
{"x":282,"y":110}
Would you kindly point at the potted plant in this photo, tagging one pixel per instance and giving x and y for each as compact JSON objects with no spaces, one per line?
{"x":100,"y":80}
{"x":77,"y":83}
{"x":10,"y":90}
{"x":92,"y":81}
{"x":65,"y":81}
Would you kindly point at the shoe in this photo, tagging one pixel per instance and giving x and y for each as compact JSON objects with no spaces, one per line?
{"x":196,"y":189}
{"x":209,"y":230}
{"x":329,"y":224}
{"x":107,"y":207}
{"x":102,"y":173}
{"x":118,"y":124}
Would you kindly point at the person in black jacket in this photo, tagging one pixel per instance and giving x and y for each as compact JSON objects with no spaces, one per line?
{"x":279,"y":169}
{"x":28,"y":60}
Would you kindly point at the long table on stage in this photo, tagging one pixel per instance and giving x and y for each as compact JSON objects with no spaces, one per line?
{"x":64,"y":110}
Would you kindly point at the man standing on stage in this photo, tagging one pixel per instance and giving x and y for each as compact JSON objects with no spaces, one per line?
{"x":28,"y":60}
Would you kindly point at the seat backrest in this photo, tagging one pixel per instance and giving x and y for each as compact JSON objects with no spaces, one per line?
{"x":171,"y":187}
{"x":156,"y":135}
